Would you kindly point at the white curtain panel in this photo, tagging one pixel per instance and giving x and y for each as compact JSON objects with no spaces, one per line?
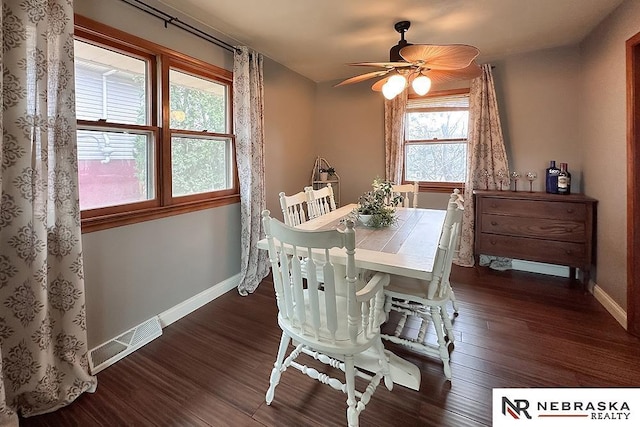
{"x":486,"y":157}
{"x":394,"y":111}
{"x":43,"y":339}
{"x":248,"y":119}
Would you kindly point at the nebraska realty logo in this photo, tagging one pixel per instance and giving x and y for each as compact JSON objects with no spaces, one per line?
{"x":566,"y":407}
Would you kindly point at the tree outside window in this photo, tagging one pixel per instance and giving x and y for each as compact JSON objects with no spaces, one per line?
{"x":435,"y":149}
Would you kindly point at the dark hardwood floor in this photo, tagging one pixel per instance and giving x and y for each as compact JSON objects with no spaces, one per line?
{"x":212,"y":367}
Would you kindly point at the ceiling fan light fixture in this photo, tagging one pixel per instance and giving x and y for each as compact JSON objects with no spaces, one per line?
{"x":408,"y":62}
{"x":396,"y":84}
{"x":421,"y":84}
{"x":388,"y":91}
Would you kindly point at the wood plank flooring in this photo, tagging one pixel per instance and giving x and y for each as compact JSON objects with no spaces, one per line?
{"x":212,"y":367}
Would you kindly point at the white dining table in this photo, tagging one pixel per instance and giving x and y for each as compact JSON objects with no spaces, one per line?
{"x":406,"y":248}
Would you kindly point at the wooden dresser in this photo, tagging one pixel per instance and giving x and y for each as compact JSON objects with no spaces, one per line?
{"x":541,"y":227}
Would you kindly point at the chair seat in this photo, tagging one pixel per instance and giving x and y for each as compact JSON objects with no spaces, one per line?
{"x":401,"y":286}
{"x":324,"y":341}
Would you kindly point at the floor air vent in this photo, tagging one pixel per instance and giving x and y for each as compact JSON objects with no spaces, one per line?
{"x":110,"y":352}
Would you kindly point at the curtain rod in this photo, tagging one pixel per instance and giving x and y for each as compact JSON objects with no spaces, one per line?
{"x":168,"y":19}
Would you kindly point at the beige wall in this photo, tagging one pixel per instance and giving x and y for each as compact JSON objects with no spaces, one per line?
{"x":349,"y":133}
{"x":538,"y":95}
{"x":603,"y":133}
{"x":135,"y":272}
{"x":289,"y":116}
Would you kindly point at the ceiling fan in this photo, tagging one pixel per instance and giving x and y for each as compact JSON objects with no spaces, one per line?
{"x":419,"y":65}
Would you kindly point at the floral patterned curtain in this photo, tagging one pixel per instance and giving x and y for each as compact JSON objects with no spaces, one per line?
{"x":43,"y":339}
{"x":487,"y":157}
{"x":248,"y":105}
{"x":394,"y":136}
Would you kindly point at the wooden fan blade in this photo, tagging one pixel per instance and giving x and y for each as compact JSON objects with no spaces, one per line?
{"x":383,"y":64}
{"x":443,"y":76}
{"x":362,"y":77}
{"x":440,"y":57}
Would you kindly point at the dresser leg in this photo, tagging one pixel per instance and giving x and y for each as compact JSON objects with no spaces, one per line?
{"x":573,"y":278}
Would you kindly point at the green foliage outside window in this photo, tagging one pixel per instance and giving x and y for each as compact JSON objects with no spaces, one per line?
{"x":198,"y":165}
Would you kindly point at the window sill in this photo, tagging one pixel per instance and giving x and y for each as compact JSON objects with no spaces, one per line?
{"x":126,"y":218}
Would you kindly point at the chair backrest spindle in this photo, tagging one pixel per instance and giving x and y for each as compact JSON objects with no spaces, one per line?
{"x":293,"y":208}
{"x":409,"y":193}
{"x":320,"y":201}
{"x":297,"y":293}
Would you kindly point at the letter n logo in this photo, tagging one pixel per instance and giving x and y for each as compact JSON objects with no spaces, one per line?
{"x":516,"y":409}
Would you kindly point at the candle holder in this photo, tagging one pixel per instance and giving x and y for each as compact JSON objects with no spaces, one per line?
{"x":502,"y":177}
{"x":483,"y":177}
{"x":515,"y":176}
{"x":531,"y":176}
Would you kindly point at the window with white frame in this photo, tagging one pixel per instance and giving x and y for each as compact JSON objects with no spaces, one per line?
{"x":435,"y":148}
{"x":154,"y":130}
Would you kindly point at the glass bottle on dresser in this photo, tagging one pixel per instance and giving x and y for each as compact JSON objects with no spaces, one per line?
{"x":552,"y":173}
{"x":564,"y":180}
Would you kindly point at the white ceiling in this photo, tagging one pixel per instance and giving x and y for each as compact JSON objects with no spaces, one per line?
{"x":316,"y":38}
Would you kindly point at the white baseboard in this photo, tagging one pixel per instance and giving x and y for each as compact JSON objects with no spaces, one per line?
{"x":610,"y":305}
{"x":538,"y":267}
{"x":111,"y":351}
{"x":558,"y":270}
{"x":180,"y":310}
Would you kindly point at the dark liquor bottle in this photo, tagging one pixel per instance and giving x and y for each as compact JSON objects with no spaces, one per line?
{"x":552,"y":177}
{"x":564,"y":180}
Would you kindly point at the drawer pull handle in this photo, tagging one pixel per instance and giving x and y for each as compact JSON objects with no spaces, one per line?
{"x":567,"y":229}
{"x":568,"y":251}
{"x":493,"y":242}
{"x":494,"y":223}
{"x":570,"y":210}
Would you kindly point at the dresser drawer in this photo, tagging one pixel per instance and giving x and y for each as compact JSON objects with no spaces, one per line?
{"x":550,"y":229}
{"x":534,"y":209}
{"x":548,"y":251}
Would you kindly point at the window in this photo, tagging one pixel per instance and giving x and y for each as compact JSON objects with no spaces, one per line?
{"x":435,"y":149}
{"x":201,"y":153}
{"x":154,"y":130}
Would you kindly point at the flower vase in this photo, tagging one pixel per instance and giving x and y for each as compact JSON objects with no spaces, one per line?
{"x":364,"y":219}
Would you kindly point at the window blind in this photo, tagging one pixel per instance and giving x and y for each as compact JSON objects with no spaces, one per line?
{"x":439,"y":103}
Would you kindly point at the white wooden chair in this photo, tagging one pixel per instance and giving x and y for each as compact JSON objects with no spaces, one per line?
{"x":293,"y":208}
{"x":320,"y":201}
{"x":428,"y":301}
{"x":409,"y":193}
{"x":333,"y":325}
